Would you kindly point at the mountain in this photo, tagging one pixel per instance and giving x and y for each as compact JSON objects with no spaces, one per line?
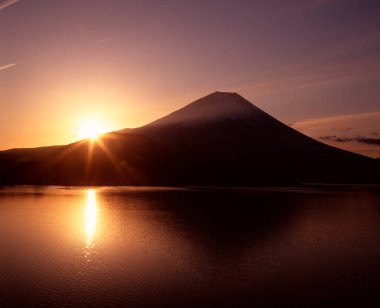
{"x":220,"y":139}
{"x":225,"y":139}
{"x":116,"y":159}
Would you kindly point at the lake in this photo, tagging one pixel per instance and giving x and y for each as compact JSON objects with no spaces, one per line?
{"x":196,"y":247}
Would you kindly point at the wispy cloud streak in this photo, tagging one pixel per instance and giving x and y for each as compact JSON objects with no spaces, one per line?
{"x":356,"y":132}
{"x":54,"y":52}
{"x":4,"y":67}
{"x":7,"y":3}
{"x":366,"y":140}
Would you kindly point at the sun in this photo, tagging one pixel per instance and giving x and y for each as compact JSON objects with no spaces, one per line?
{"x":92,"y":128}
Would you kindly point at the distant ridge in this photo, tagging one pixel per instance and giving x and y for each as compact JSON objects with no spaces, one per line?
{"x":220,"y":139}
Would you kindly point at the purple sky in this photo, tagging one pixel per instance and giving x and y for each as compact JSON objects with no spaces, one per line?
{"x":133,"y":61}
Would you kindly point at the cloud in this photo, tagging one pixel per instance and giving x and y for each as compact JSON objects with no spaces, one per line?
{"x":373,"y":141}
{"x":7,"y":3}
{"x":356,"y":132}
{"x":54,"y":52}
{"x":361,"y":139}
{"x":3,"y":67}
{"x":336,"y":138}
{"x":321,"y":75}
{"x":364,"y":123}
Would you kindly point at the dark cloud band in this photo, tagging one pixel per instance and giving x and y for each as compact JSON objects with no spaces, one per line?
{"x":361,"y":139}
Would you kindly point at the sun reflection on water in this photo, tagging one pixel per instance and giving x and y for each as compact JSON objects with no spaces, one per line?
{"x":90,"y":219}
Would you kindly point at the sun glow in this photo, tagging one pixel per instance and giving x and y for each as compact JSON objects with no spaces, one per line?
{"x":90,"y":218}
{"x":92,"y":128}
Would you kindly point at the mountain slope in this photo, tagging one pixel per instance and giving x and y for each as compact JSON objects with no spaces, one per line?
{"x":220,"y":139}
{"x":116,"y":159}
{"x":225,"y":121}
{"x":225,"y":139}
{"x":219,"y":106}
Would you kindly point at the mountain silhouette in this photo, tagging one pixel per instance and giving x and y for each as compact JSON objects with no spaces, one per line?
{"x":220,"y":139}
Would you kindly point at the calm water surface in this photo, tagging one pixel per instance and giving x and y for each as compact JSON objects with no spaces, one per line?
{"x":144,"y":247}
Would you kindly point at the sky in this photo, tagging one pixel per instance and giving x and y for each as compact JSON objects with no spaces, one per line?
{"x":130,"y":62}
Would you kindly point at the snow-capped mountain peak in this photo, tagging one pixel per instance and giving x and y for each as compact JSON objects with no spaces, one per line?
{"x":214,"y":107}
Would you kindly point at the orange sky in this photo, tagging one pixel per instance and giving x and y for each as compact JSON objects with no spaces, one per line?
{"x":131,"y":62}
